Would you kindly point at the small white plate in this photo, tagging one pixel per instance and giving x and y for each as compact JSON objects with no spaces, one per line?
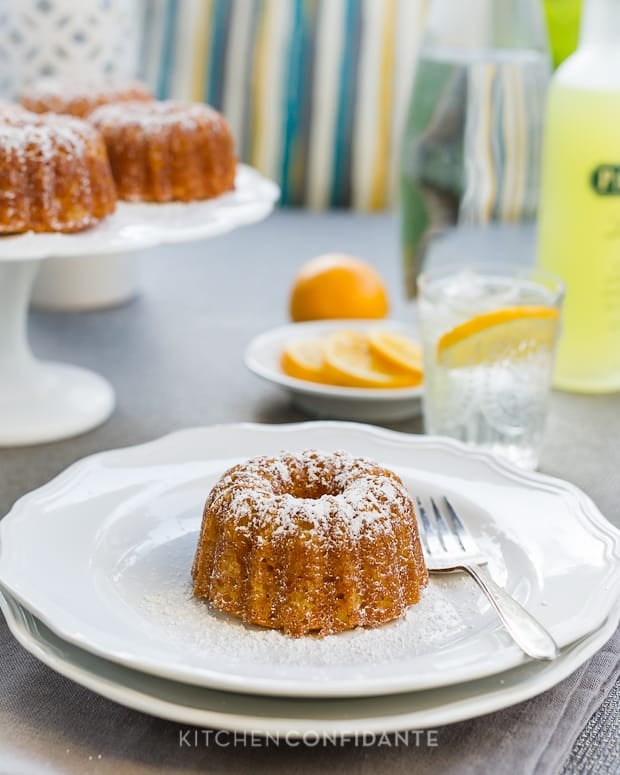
{"x":295,"y":717}
{"x":123,"y":526}
{"x":262,"y":357}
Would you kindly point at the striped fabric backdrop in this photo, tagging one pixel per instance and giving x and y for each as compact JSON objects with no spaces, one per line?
{"x":315,"y":90}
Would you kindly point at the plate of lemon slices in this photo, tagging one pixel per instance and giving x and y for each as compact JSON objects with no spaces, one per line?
{"x":365,"y":370}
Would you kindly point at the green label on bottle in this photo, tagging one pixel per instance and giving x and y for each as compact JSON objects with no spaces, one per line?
{"x":606,"y":179}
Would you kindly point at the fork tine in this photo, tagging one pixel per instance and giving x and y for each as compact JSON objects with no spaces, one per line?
{"x":448,"y":539}
{"x":465,"y":539}
{"x":428,"y":534}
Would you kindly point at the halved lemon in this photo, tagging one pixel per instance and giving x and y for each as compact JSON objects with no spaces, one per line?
{"x":398,"y":351}
{"x":349,"y":361}
{"x":304,"y":359}
{"x":504,"y":333}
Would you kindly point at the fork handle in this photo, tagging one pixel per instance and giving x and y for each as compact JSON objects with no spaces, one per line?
{"x":525,"y":630}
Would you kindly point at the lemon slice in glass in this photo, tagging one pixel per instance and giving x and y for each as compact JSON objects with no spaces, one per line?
{"x":511,"y":332}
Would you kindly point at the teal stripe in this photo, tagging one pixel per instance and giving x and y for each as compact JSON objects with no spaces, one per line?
{"x":341,"y":185}
{"x":245,"y":141}
{"x":171,"y":13}
{"x":217,"y":54}
{"x":306,"y":103}
{"x":292,"y":97}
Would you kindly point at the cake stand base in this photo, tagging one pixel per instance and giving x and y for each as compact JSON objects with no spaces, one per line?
{"x":40,"y":401}
{"x":51,"y":401}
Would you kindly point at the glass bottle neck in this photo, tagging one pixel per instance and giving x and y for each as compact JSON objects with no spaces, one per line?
{"x":601,"y":23}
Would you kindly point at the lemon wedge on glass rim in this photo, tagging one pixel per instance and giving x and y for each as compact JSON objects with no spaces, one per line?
{"x":511,"y":332}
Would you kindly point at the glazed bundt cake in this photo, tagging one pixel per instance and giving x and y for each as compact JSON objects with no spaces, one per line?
{"x":51,"y":95}
{"x":167,"y":151}
{"x":310,"y":543}
{"x":54,"y":174}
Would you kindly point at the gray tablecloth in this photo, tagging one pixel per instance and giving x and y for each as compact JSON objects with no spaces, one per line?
{"x":174,"y":356}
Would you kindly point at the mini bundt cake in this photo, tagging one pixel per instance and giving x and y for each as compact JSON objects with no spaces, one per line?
{"x":54,"y":174}
{"x":310,"y":543}
{"x":167,"y":151}
{"x":50,"y":95}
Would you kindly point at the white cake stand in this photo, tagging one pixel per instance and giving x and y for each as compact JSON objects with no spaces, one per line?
{"x":42,"y":401}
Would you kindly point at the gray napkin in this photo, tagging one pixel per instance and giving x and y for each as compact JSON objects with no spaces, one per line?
{"x":50,"y":725}
{"x":535,"y":736}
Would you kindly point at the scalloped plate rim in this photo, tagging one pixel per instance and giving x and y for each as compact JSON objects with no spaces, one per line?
{"x":587,"y":513}
{"x":449,"y":712}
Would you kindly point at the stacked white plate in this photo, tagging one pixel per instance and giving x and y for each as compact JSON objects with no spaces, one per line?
{"x":95,"y":580}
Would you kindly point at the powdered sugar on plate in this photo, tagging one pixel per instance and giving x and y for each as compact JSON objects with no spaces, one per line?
{"x":144,"y":555}
{"x":450,"y":608}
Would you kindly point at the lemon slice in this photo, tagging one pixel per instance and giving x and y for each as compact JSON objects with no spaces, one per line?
{"x":398,"y":351}
{"x":303,"y":359}
{"x":504,"y":333}
{"x":349,"y":361}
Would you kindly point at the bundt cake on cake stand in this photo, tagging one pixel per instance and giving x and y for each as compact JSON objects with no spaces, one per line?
{"x":42,"y":401}
{"x":159,"y":151}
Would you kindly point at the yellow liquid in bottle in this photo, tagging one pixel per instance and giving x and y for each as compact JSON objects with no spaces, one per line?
{"x":579,"y":233}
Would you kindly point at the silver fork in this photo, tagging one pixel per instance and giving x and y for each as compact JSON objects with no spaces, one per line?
{"x":449,"y":548}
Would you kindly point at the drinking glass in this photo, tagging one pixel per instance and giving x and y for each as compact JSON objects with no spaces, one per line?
{"x":489,"y":335}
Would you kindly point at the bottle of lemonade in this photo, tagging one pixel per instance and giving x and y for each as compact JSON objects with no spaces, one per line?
{"x":579,"y":236}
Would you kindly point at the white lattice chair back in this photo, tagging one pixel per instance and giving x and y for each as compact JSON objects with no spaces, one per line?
{"x":62,"y":38}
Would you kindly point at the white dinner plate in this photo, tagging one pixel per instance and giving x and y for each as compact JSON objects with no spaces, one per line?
{"x":295,"y":717}
{"x":102,"y":555}
{"x":262,"y":357}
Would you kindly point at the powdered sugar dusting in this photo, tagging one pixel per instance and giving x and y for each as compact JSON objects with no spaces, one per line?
{"x":79,"y":97}
{"x":8,"y":109}
{"x":57,"y":88}
{"x":153,"y":117}
{"x":353,"y":491}
{"x":446,"y":612}
{"x":22,"y":132}
{"x":198,"y":626}
{"x":49,"y":164}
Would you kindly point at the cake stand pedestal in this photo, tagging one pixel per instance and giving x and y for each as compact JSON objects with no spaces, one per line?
{"x":43,"y":401}
{"x":39,"y":400}
{"x":72,"y":284}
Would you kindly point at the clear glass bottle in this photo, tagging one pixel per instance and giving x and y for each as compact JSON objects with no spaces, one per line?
{"x":471,"y":146}
{"x":579,"y":231}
